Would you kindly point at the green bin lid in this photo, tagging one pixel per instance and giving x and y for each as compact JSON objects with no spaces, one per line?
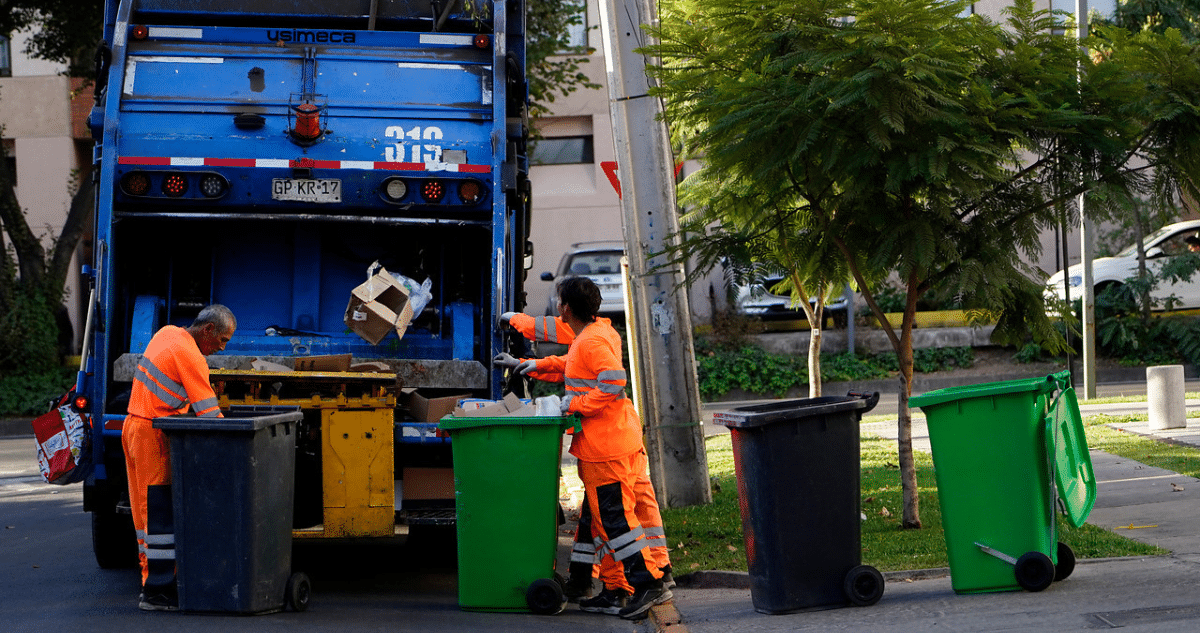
{"x":452,"y":423}
{"x":963,"y":392}
{"x":1073,"y":473}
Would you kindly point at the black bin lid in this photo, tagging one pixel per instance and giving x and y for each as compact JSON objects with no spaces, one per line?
{"x":784,"y":410}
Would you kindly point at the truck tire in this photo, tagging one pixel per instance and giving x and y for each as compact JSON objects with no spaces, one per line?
{"x":113,"y":540}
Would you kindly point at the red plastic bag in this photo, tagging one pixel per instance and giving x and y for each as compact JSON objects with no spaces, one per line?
{"x":63,"y":443}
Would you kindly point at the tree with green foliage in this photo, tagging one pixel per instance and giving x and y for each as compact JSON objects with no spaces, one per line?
{"x":917,"y":142}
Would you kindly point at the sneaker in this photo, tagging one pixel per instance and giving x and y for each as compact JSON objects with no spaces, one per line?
{"x":610,"y":601}
{"x":577,"y":589}
{"x":643,"y":598}
{"x":158,"y":602}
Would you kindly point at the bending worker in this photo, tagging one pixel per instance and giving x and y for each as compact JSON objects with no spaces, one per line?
{"x":171,"y":379}
{"x":612,"y":458}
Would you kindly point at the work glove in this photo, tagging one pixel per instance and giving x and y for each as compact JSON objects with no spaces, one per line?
{"x":505,"y":359}
{"x":565,"y":404}
{"x":504,"y":318}
{"x":527,"y":366}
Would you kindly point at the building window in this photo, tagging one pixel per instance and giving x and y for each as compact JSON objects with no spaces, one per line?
{"x":562,"y":150}
{"x":5,"y":58}
{"x":577,"y":33}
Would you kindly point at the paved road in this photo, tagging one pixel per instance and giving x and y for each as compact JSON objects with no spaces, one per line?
{"x":50,"y":580}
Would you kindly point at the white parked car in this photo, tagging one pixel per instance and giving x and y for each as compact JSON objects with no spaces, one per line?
{"x":600,"y":262}
{"x":1160,"y":246}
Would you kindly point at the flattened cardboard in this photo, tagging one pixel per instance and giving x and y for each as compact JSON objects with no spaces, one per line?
{"x":431,"y":405}
{"x":330,"y":362}
{"x":511,"y":405}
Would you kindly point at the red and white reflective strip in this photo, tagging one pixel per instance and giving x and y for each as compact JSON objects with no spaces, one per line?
{"x":188,"y":161}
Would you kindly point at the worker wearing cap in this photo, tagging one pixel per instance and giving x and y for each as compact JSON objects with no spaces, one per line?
{"x":612,"y":458}
{"x":171,"y":379}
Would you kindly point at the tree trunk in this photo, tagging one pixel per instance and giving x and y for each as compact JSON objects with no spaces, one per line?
{"x":908,"y":468}
{"x":814,"y":361}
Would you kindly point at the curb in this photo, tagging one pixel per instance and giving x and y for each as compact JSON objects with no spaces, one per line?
{"x":666,"y":618}
{"x":16,"y":427}
{"x":721,"y":579}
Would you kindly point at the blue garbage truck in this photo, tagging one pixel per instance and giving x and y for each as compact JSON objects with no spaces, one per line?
{"x":274,"y":156}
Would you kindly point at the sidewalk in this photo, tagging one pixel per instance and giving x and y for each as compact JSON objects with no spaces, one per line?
{"x":1147,"y":504}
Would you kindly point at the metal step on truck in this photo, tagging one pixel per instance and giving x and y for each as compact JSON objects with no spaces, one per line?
{"x":276,"y":156}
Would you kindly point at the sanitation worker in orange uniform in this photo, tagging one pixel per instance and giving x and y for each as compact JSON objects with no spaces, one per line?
{"x":171,"y":379}
{"x":612,"y":458}
{"x":583,"y":552}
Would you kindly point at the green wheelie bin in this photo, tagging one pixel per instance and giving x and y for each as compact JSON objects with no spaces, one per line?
{"x":1000,"y":451}
{"x":506,"y":474}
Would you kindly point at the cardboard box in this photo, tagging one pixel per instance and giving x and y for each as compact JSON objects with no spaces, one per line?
{"x":428,"y":483}
{"x":331,"y":362}
{"x":509,"y":406}
{"x":431,"y":405}
{"x":378,"y":306}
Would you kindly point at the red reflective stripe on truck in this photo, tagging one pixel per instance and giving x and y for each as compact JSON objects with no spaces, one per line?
{"x":144,"y":160}
{"x":188,"y":161}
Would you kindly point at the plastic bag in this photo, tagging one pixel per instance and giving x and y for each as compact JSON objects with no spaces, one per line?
{"x":418,"y":295}
{"x":63,"y":443}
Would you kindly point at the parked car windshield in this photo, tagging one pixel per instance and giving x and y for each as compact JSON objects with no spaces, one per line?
{"x":1131,"y":250}
{"x":595,"y":263}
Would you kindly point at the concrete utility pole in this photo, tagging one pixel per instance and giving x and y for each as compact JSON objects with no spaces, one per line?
{"x":660,"y":320}
{"x":1086,"y":252}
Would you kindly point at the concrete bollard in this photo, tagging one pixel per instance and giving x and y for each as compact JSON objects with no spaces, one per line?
{"x":1165,"y":397}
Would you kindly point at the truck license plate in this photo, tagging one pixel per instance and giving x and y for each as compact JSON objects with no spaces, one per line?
{"x":306,"y":189}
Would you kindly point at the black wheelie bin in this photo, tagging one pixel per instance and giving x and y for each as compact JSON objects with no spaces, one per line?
{"x":797,"y":465}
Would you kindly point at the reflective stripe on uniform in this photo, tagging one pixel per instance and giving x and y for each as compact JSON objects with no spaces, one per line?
{"x":171,"y":400}
{"x":160,"y":554}
{"x":656,"y":533}
{"x":206,"y":408}
{"x":625,"y":539}
{"x":161,"y":377}
{"x":583,"y":553}
{"x":630,"y":550}
{"x":159,"y":539}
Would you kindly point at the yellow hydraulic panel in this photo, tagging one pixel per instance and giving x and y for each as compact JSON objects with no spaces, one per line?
{"x":358,"y":472}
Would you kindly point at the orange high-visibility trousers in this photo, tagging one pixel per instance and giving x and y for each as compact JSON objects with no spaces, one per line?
{"x":147,"y":463}
{"x":613,"y":490}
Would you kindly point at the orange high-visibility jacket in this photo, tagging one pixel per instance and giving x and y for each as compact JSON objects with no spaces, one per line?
{"x":543,"y":328}
{"x":595,"y":380}
{"x":172,"y":377}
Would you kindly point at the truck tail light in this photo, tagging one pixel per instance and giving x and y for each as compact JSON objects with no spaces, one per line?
{"x":433,"y":191}
{"x":470,"y":191}
{"x":135,"y":183}
{"x":213,"y":185}
{"x":141,"y":32}
{"x":394,"y":189}
{"x":80,"y":403}
{"x":481,"y":41}
{"x":175,"y":185}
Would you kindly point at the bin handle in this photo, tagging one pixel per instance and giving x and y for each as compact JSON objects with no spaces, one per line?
{"x":871,"y":398}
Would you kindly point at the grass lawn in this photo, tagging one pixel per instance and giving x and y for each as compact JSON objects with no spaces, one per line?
{"x":710,"y":537}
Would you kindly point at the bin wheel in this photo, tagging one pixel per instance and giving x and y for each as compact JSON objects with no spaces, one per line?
{"x":863,"y":585}
{"x":299,"y":591}
{"x":1066,"y":562}
{"x":545,"y":597}
{"x":1034,"y":571}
